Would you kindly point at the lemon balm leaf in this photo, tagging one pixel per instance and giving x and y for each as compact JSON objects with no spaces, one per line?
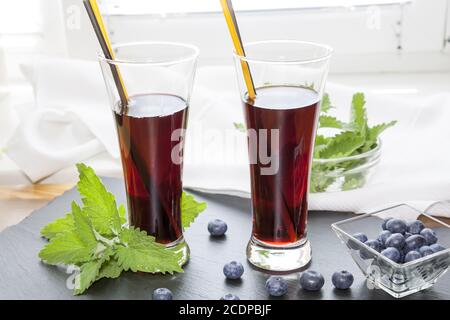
{"x":190,"y":209}
{"x":99,"y":204}
{"x":140,"y":252}
{"x":59,"y":226}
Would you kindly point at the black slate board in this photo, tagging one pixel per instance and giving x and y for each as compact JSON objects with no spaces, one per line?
{"x":23,"y":276}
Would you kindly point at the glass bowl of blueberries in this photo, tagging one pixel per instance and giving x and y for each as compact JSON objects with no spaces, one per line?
{"x":399,"y":249}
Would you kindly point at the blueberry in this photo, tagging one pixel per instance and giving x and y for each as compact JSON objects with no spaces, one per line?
{"x":311,"y":280}
{"x":396,"y":226}
{"x":429,"y":235}
{"x":415,"y":242}
{"x":366,"y":254}
{"x":230,"y":296}
{"x":342,"y":280}
{"x":360,"y":236}
{"x":385,"y":221}
{"x":407,"y":235}
{"x":383,"y":237}
{"x":437,"y":247}
{"x":276,"y":286}
{"x":392,"y":254}
{"x":426,"y":251}
{"x":397,"y":240}
{"x":412,"y":255}
{"x":233,"y":270}
{"x":217,"y":228}
{"x":374,"y":244}
{"x":415,"y":227}
{"x":162,"y":294}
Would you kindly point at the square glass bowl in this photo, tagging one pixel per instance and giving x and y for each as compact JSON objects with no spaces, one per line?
{"x":399,"y":280}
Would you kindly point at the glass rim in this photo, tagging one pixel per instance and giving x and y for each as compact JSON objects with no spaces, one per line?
{"x":184,"y":58}
{"x":328,"y":52}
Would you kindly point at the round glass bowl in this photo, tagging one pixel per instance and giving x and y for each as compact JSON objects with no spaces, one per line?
{"x":346,"y":173}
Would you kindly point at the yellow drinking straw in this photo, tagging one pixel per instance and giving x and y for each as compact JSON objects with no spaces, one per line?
{"x":105,"y":44}
{"x":230,"y":18}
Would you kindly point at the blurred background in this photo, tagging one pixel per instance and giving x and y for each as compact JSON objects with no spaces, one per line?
{"x":397,"y":48}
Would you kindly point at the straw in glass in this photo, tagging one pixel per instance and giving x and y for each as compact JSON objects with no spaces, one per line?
{"x":93,"y":12}
{"x":233,"y":27}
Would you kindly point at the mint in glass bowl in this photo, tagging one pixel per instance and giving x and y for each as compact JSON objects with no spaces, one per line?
{"x":345,"y":160}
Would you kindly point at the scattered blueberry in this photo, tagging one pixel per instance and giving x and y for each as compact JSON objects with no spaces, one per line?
{"x":412,"y":255}
{"x":385,"y":221}
{"x":217,"y":228}
{"x":415,"y":242}
{"x":429,"y":235}
{"x":415,"y":227}
{"x":407,"y":235}
{"x":437,"y":247}
{"x":392,"y":254}
{"x":311,"y":280}
{"x":342,"y":280}
{"x":276,"y":286}
{"x":233,"y":270}
{"x":396,"y":226}
{"x":426,"y":251}
{"x":396,"y":240}
{"x":162,"y":294}
{"x":230,"y":296}
{"x":383,"y":237}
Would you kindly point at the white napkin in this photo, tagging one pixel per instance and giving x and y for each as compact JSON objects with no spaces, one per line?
{"x":72,"y":122}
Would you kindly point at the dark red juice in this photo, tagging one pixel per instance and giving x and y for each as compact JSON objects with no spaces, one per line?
{"x":153,"y":181}
{"x":279,"y":201}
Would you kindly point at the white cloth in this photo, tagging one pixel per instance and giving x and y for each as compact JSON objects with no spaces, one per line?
{"x":73,"y":122}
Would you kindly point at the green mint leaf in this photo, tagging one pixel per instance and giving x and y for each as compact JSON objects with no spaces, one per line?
{"x":99,"y":204}
{"x":83,"y":226}
{"x":239,"y":126}
{"x":67,"y":248}
{"x":342,"y":145}
{"x":59,"y":226}
{"x":330,"y":122}
{"x":140,"y":252}
{"x":190,"y":209}
{"x":358,"y":116}
{"x":320,"y":144}
{"x":87,"y":276}
{"x":110,"y":269}
{"x":375,"y":131}
{"x":325,"y":104}
{"x":320,"y":178}
{"x":122,"y":214}
{"x":353,"y":181}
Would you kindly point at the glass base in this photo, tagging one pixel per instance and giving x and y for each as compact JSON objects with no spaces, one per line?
{"x":181,"y":247}
{"x":271,"y":258}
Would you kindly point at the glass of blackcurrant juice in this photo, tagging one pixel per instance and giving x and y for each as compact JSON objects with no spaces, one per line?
{"x":151,"y":123}
{"x":281,"y":115}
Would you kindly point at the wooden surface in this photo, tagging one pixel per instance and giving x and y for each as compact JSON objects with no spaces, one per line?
{"x":23,"y":276}
{"x":17,"y":202}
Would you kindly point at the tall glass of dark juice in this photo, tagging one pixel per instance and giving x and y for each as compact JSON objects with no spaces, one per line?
{"x":151,"y":126}
{"x":288,"y":78}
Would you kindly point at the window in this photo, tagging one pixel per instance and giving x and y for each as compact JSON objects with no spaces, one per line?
{"x":113,"y":7}
{"x":20,"y":23}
